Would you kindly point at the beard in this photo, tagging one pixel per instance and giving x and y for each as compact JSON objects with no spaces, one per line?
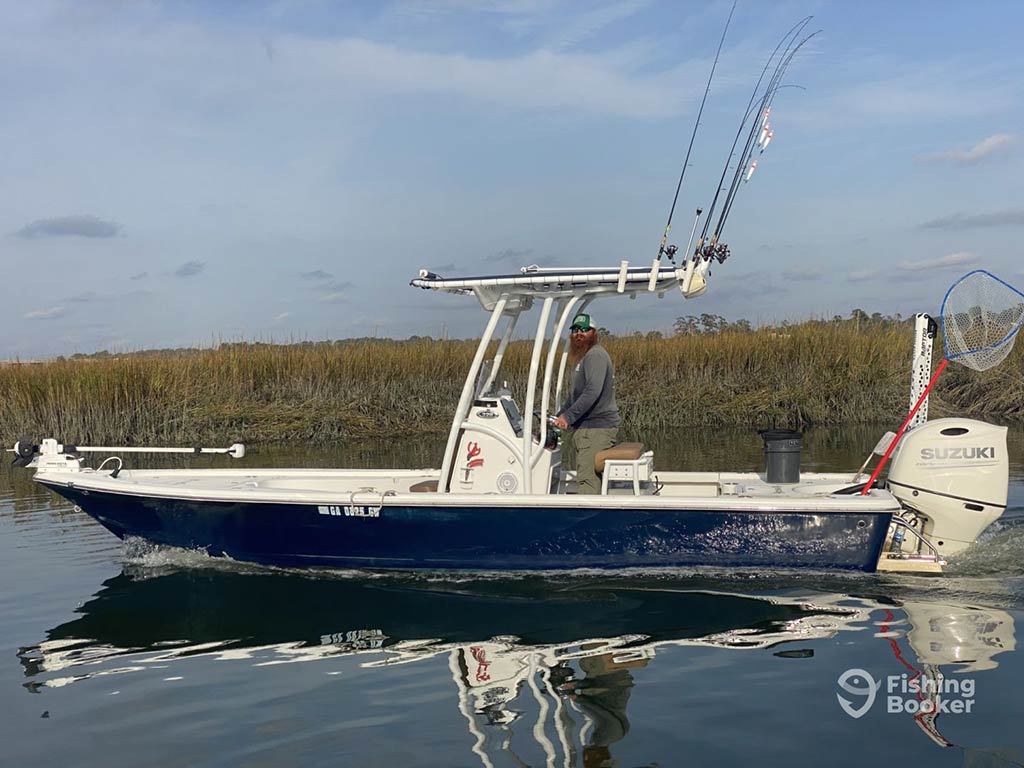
{"x":580,"y":344}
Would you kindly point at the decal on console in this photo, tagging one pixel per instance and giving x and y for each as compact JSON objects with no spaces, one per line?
{"x":473,"y":450}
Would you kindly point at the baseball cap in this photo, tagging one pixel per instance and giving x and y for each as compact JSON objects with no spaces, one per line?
{"x":581,"y":322}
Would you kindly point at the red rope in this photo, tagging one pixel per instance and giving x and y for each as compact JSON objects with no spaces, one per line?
{"x":910,"y":416}
{"x":921,"y":718}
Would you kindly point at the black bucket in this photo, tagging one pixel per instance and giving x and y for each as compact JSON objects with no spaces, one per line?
{"x":782,"y":455}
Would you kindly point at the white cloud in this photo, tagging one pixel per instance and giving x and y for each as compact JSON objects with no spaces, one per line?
{"x":45,"y":314}
{"x":282,"y":317}
{"x":592,"y":83}
{"x":996,"y":144}
{"x":194,"y":81}
{"x":427,"y":8}
{"x":592,"y":21}
{"x":949,"y":261}
{"x":90,"y":297}
{"x":562,"y":24}
{"x":941,"y":262}
{"x":1012,"y":217}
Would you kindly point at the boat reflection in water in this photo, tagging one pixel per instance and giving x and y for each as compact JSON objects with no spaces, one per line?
{"x":536,"y":663}
{"x":939,"y":634}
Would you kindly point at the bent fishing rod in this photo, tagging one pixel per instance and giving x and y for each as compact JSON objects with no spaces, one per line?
{"x":744,"y":169}
{"x":789,"y":46}
{"x":671,"y":251}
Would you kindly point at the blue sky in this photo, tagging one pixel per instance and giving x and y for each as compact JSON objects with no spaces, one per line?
{"x":178,"y":173}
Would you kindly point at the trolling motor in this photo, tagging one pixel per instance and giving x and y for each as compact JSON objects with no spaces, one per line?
{"x":51,"y":454}
{"x":24,"y":451}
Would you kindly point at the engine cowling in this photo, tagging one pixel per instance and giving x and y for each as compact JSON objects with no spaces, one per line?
{"x":956,"y":474}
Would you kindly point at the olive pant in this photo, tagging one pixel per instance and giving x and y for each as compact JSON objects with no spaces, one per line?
{"x":588,"y":443}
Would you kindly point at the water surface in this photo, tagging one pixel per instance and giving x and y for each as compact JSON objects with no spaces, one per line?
{"x":125,"y":655}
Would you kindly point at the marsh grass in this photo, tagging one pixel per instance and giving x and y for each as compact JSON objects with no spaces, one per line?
{"x":800,"y":375}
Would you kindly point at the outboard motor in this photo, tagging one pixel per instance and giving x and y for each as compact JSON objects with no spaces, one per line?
{"x":956,"y":474}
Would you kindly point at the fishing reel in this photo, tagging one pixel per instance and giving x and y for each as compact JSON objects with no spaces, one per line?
{"x":669,"y":251}
{"x":719,"y":252}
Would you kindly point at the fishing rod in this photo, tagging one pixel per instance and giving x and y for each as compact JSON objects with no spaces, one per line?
{"x":759,"y":132}
{"x":793,"y":33}
{"x":671,"y":251}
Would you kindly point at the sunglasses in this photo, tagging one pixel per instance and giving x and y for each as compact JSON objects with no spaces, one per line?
{"x":580,"y":330}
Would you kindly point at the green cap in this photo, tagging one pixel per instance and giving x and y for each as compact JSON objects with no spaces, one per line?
{"x":582,"y":322}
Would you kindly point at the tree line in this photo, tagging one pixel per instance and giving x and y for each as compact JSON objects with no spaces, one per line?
{"x":707,"y":324}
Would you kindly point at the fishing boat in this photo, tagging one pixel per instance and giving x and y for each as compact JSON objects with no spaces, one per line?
{"x":502,"y":498}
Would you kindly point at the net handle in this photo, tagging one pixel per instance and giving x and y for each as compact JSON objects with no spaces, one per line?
{"x":942,"y":366}
{"x":892,"y":446}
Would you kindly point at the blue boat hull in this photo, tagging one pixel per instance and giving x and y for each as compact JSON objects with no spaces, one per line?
{"x":499,"y":537}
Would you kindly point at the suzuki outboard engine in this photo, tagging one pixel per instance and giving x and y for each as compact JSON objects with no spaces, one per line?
{"x":955,"y":474}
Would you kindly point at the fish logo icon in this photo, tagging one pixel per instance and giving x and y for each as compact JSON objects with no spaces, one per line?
{"x":850,"y":681}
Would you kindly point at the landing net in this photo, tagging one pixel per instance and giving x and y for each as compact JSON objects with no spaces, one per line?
{"x":981,"y":316}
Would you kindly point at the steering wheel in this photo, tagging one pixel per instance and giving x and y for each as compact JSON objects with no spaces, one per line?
{"x":553,"y":432}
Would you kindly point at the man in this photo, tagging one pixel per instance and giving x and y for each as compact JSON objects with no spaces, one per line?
{"x":591,"y":412}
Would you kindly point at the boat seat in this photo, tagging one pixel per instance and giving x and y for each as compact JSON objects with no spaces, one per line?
{"x":620,"y":452}
{"x":424,"y":486}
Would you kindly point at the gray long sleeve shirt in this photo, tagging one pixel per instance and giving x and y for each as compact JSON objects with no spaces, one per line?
{"x":592,"y":397}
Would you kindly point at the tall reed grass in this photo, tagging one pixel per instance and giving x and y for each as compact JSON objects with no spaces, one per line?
{"x":806,"y":374}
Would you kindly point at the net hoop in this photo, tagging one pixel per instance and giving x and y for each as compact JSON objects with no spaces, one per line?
{"x":970,"y":321}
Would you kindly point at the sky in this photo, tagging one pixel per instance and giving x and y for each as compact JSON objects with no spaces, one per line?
{"x":190,"y":172}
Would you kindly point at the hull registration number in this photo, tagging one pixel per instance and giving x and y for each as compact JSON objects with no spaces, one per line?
{"x":349,"y":510}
